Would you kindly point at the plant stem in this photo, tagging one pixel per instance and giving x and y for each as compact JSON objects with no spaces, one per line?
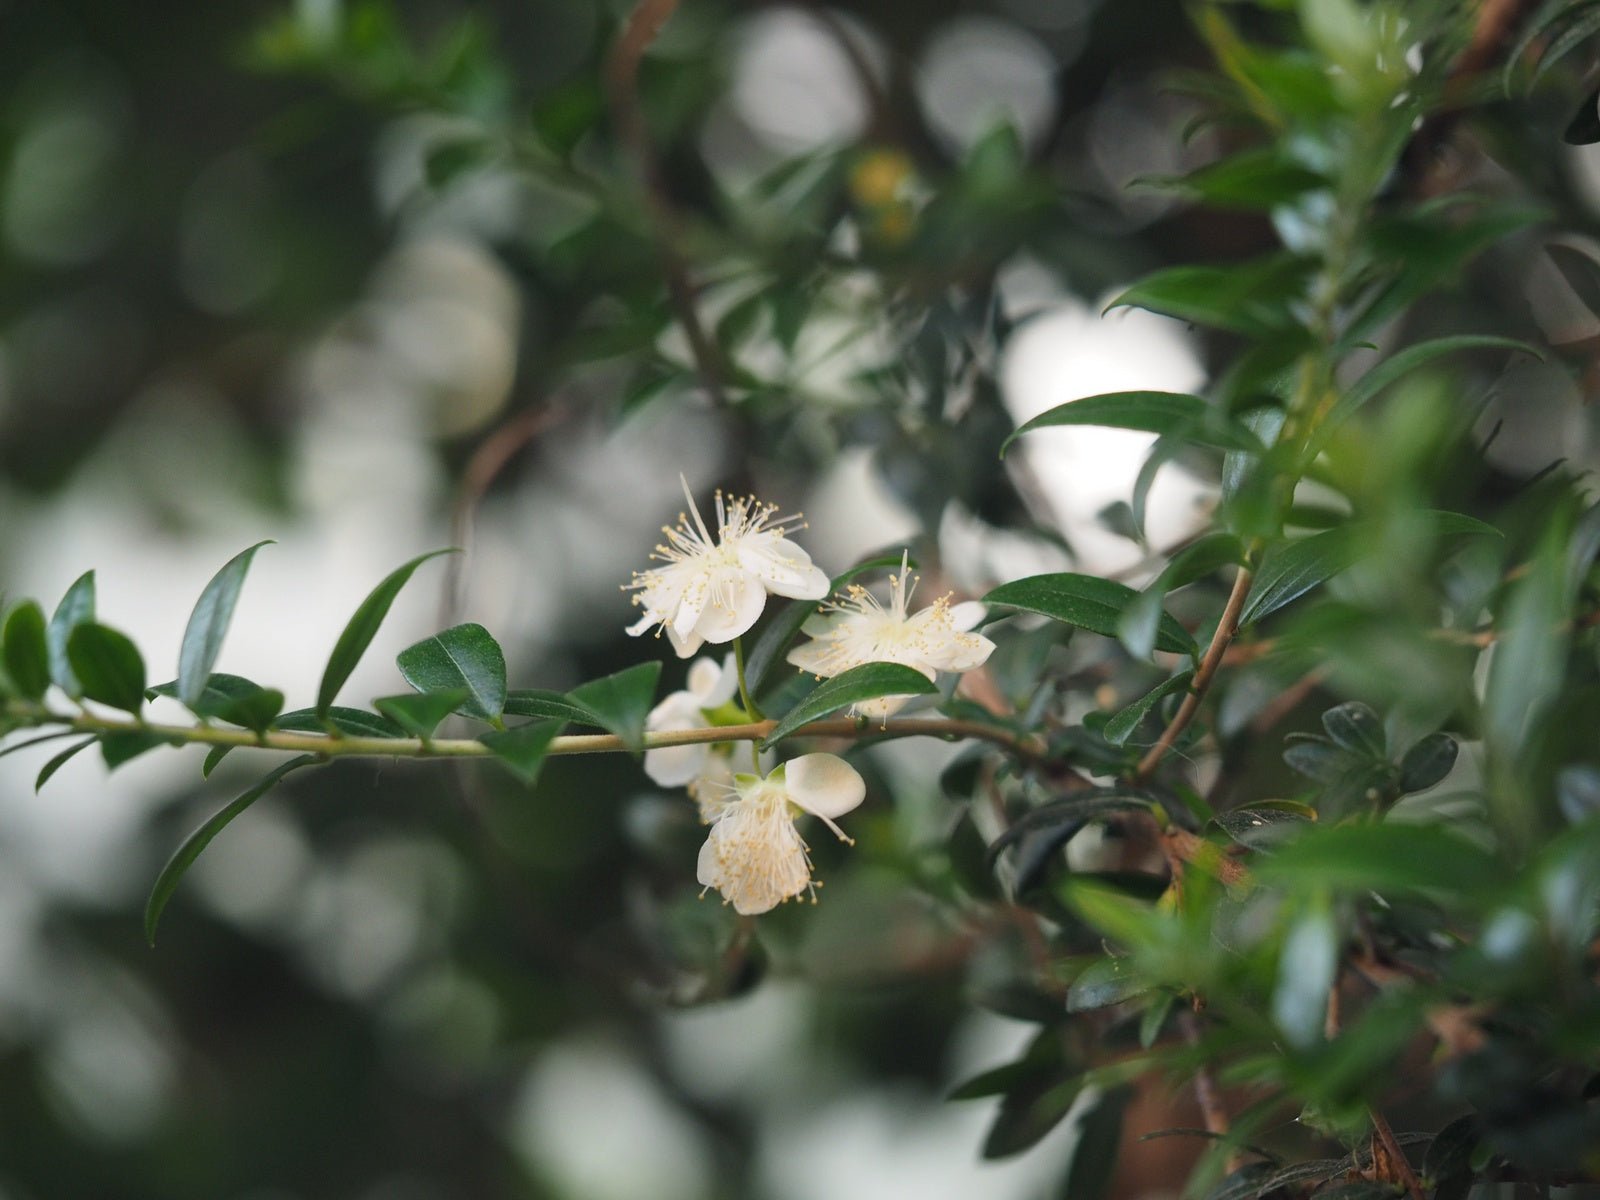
{"x":745,"y":697}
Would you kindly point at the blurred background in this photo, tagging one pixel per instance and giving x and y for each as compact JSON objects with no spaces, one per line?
{"x":372,"y":278}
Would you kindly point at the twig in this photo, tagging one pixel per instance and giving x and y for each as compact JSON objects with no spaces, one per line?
{"x":643,"y":26}
{"x":1392,"y":1166}
{"x":1212,"y":1110}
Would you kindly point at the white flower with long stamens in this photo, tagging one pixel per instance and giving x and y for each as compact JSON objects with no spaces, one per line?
{"x":705,"y":768}
{"x":754,"y":855}
{"x":713,"y":589}
{"x":856,"y":629}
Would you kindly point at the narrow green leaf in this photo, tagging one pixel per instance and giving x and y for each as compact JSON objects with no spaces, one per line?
{"x":118,"y":748}
{"x":536,"y":702}
{"x":1027,"y":1114}
{"x":219,"y":693}
{"x":356,"y":722}
{"x":464,"y":657}
{"x":208,"y":625}
{"x":1386,"y":858}
{"x":1293,"y":569}
{"x":1120,"y":727}
{"x":767,"y":653}
{"x":522,"y":750}
{"x":1252,"y":298}
{"x":1072,"y":812}
{"x":1094,"y":1154}
{"x":171,"y":874}
{"x":1171,"y":414}
{"x":1104,"y":982}
{"x":108,"y":666}
{"x":866,"y":682}
{"x":34,"y":741}
{"x":59,"y":761}
{"x":1087,"y":603}
{"x":26,"y":657}
{"x":419,"y":713}
{"x":621,"y":702}
{"x":214,"y":756}
{"x":1251,"y":179}
{"x":362,"y":628}
{"x":76,"y":608}
{"x":1396,"y":366}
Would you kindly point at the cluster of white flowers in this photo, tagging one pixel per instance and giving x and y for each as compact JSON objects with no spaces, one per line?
{"x":712,"y":590}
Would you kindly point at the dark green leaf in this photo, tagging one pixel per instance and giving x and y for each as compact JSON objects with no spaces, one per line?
{"x":1254,"y":298}
{"x":548,"y":705}
{"x":1316,"y":758}
{"x":1386,"y":858}
{"x":866,"y":682}
{"x":208,"y":625}
{"x":219,"y":693}
{"x":1251,"y":179}
{"x":464,"y":658}
{"x":1104,"y":982}
{"x":1027,"y":1114}
{"x":419,"y":713}
{"x":1396,"y":366}
{"x":1120,"y":727}
{"x":783,"y":628}
{"x":1529,"y":661}
{"x":76,"y":608}
{"x":26,"y":658}
{"x":213,"y":757}
{"x":1073,"y":812}
{"x":522,"y":750}
{"x":167,"y":882}
{"x":1357,"y":728}
{"x":1260,"y":827}
{"x":59,"y":761}
{"x":362,"y":628}
{"x":621,"y":702}
{"x":1247,"y":1182}
{"x":1448,"y":1163}
{"x":34,"y":741}
{"x":1426,"y":763}
{"x":1094,"y":1154}
{"x":1581,"y":272}
{"x":1087,"y":603}
{"x":1172,"y":414}
{"x":1293,"y":569}
{"x":353,"y":721}
{"x":107,"y":666}
{"x":255,"y":709}
{"x":118,"y":748}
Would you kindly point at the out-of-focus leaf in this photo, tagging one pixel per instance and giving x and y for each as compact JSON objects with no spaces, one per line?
{"x":108,"y":666}
{"x":1121,"y":726}
{"x":1578,"y":792}
{"x":26,"y":657}
{"x":1074,"y":811}
{"x":1104,"y":982}
{"x":622,"y":702}
{"x":1244,"y":1184}
{"x":1258,"y":826}
{"x":1386,"y":858}
{"x":118,"y":748}
{"x":1527,"y":667}
{"x":76,"y":608}
{"x":1027,"y":1114}
{"x":1251,"y":179}
{"x":1448,"y":1163}
{"x":419,"y":713}
{"x":59,"y":761}
{"x":1307,"y":965}
{"x":522,"y":750}
{"x":1094,"y":1154}
{"x":1357,"y":728}
{"x":1428,"y":762}
{"x":969,"y":859}
{"x":214,"y":757}
{"x":1398,"y":365}
{"x":1581,"y":272}
{"x":1088,"y":603}
{"x":167,"y":882}
{"x":208,"y":625}
{"x":461,"y":658}
{"x":1256,"y":299}
{"x":1584,"y":128}
{"x":362,"y":628}
{"x":354,"y":721}
{"x":866,"y":682}
{"x":1316,"y":758}
{"x":1172,"y":414}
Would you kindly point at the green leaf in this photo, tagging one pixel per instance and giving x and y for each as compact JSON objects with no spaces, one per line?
{"x":1252,"y":298}
{"x":118,"y":748}
{"x":76,"y":608}
{"x":536,"y":702}
{"x":1529,"y":661}
{"x":419,"y":713}
{"x":1293,"y":569}
{"x":1358,"y":729}
{"x":767,"y":653}
{"x":1188,"y":418}
{"x":108,"y":666}
{"x":1261,"y":827}
{"x":1072,"y":812}
{"x":1396,"y":366}
{"x":208,"y":625}
{"x":1087,"y":603}
{"x":167,"y":882}
{"x":255,"y":709}
{"x":214,"y":756}
{"x":1027,"y":1114}
{"x":1307,"y":966}
{"x":34,"y":741}
{"x":1094,"y":1154}
{"x":866,"y":682}
{"x":1120,"y":727}
{"x":356,"y":722}
{"x":26,"y":656}
{"x":464,"y":657}
{"x":220,"y":692}
{"x":362,"y":628}
{"x":59,"y":761}
{"x":522,"y":750}
{"x":1251,"y":179}
{"x":1386,"y":858}
{"x":1104,"y":982}
{"x":1581,"y":272}
{"x":621,"y":702}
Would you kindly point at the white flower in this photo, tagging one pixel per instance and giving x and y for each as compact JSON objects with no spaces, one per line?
{"x":713,"y":590}
{"x":754,"y":855}
{"x":694,"y":766}
{"x":856,"y":629}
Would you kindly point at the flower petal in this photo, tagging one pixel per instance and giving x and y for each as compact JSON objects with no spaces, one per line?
{"x":783,"y":568}
{"x":823,"y":784}
{"x":968,"y":614}
{"x":735,"y":604}
{"x":958,"y":651}
{"x":722,"y":688}
{"x":754,"y":857}
{"x":685,"y":646}
{"x":676,"y":766}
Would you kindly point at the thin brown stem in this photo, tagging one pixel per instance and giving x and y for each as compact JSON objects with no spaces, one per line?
{"x":1212,"y":1110}
{"x":1393,"y":1167}
{"x":1227,"y":627}
{"x":643,"y":26}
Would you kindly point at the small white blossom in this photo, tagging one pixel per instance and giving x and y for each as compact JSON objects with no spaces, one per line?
{"x":856,"y":629}
{"x":713,"y":589}
{"x":705,"y":768}
{"x":754,"y":855}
